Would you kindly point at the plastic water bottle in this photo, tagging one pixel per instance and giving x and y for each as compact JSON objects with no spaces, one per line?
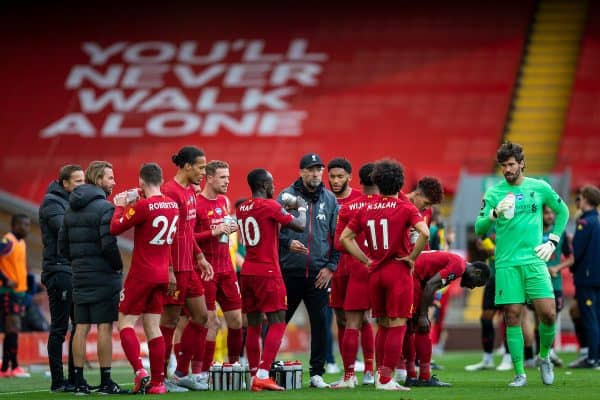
{"x":227,"y":376}
{"x":510,"y":213}
{"x":237,"y":377}
{"x":288,"y":373}
{"x":297,"y":367}
{"x":224,"y":238}
{"x":215,"y":377}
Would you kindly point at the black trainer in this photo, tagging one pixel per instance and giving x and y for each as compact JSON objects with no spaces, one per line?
{"x":111,"y":388}
{"x":82,"y":390}
{"x":411,"y":382}
{"x":64,"y":387}
{"x":432,"y":382}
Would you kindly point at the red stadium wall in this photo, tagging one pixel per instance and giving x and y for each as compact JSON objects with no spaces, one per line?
{"x":255,"y":85}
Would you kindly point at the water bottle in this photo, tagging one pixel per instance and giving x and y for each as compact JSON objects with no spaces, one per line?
{"x":288,"y":373}
{"x":510,"y":213}
{"x":227,"y":376}
{"x":224,"y":238}
{"x":297,"y":367}
{"x":237,"y":376}
{"x":247,"y":378}
{"x":215,"y":376}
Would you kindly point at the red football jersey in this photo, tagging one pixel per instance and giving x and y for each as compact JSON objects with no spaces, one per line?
{"x":354,"y":194}
{"x":184,"y":246}
{"x":449,"y":265}
{"x":385,"y":223}
{"x":342,"y":267}
{"x":155,"y":221}
{"x":347,"y":212}
{"x":210,"y":213}
{"x":259,"y":220}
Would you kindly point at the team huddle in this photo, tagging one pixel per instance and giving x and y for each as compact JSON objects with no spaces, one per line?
{"x":181,"y":267}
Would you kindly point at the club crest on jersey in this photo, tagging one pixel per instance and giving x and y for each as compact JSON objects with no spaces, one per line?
{"x":219,"y":210}
{"x":130,"y":213}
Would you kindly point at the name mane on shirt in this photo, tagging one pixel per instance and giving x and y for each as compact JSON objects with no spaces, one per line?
{"x":246,"y":207}
{"x":162,"y":205}
{"x":382,"y":206}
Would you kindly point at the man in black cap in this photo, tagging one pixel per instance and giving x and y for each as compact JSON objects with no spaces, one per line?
{"x":308,"y":258}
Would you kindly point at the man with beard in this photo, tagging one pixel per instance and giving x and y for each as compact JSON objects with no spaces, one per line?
{"x":515,"y":205}
{"x":213,"y":227}
{"x":308,"y":259}
{"x":85,"y":240}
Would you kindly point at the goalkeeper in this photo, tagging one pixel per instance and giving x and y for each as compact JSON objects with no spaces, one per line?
{"x":515,"y":205}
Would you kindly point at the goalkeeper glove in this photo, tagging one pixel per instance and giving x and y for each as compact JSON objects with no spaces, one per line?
{"x":545,"y":251}
{"x":505,"y":204}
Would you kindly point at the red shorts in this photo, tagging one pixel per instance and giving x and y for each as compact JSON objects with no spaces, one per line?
{"x":339,"y":285}
{"x":139,"y":297}
{"x":263,"y":294}
{"x":188,"y":286}
{"x":358,"y":286}
{"x":417,"y":293}
{"x":224,"y":289}
{"x":391,"y":290}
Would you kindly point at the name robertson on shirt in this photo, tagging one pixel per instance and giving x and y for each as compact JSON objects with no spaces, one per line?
{"x":162,"y":205}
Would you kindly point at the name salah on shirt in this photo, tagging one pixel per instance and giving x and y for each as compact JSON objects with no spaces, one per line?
{"x":381,"y":206}
{"x":162,"y":205}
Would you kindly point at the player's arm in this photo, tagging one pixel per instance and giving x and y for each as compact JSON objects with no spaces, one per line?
{"x":108,"y":242}
{"x":433,"y":285}
{"x":422,"y":240}
{"x":486,"y":217}
{"x":339,"y":228}
{"x":553,"y":200}
{"x":348,"y":240}
{"x":299,"y":223}
{"x":125,"y":218}
{"x":581,"y":240}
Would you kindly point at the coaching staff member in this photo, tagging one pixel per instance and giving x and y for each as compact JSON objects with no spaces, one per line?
{"x":308,"y":258}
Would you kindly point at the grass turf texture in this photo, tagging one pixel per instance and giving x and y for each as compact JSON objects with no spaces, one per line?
{"x":483,"y":385}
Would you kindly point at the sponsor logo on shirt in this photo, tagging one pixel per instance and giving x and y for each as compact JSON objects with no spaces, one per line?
{"x":130,"y":213}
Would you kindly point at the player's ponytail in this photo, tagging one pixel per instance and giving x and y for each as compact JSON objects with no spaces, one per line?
{"x":187,"y":155}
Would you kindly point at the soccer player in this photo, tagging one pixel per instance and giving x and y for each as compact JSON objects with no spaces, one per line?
{"x":515,"y":206}
{"x":339,"y":172}
{"x":154,"y":218}
{"x":186,"y":257}
{"x":13,"y":267}
{"x":433,"y":271}
{"x":352,"y":300}
{"x":386,"y":223}
{"x":213,"y":227}
{"x":263,"y":289}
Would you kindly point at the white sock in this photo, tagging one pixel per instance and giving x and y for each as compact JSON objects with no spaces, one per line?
{"x":488,"y":357}
{"x":262,"y":374}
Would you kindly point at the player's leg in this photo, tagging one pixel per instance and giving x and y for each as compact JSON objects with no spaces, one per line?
{"x":194,"y":334}
{"x":255,"y":320}
{"x":202,"y":360}
{"x":60,"y":297}
{"x":349,"y":348}
{"x":104,"y":315}
{"x":528,"y":337}
{"x":586,"y":302}
{"x":156,"y":349}
{"x":230,"y":300}
{"x":488,"y":310}
{"x":580,"y":333}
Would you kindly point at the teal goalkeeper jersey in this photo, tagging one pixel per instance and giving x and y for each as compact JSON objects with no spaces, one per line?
{"x":517,"y":238}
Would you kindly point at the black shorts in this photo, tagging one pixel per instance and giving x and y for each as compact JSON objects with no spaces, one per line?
{"x":489,"y":295}
{"x":97,"y":313}
{"x":12,"y":303}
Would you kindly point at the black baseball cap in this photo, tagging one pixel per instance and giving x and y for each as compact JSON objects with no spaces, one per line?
{"x":310,"y":160}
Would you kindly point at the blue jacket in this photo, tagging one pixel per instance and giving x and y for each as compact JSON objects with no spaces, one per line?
{"x":586,"y":250}
{"x":317,"y":236}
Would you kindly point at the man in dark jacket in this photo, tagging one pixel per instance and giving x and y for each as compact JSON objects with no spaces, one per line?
{"x":56,"y":272}
{"x":96,"y":263}
{"x":586,"y":268}
{"x":308,"y":258}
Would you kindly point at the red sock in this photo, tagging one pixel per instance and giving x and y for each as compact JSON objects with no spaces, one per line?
{"x":167,"y":334}
{"x":234,"y":344}
{"x":368,"y":345}
{"x":380,"y":344}
{"x":207,"y":359}
{"x":272,"y":344}
{"x":156,"y":350}
{"x":393,"y":346}
{"x":423,"y":345}
{"x":177,"y":349}
{"x":253,"y":347}
{"x":340,"y":334}
{"x":192,"y":339}
{"x":409,"y":354}
{"x":131,"y":347}
{"x":197,"y":360}
{"x":349,"y":349}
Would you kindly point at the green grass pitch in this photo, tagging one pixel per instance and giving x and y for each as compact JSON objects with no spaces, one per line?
{"x":486,"y":385}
